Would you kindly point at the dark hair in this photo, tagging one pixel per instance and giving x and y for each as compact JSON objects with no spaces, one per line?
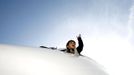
{"x":69,"y":42}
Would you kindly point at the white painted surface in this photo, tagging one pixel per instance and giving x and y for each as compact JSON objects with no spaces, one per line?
{"x":15,"y":60}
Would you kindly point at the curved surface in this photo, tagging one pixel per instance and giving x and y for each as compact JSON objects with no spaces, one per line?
{"x":17,"y":60}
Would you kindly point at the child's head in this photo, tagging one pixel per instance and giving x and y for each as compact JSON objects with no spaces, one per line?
{"x":71,"y":44}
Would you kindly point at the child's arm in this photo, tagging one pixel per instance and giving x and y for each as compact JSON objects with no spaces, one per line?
{"x":80,"y":44}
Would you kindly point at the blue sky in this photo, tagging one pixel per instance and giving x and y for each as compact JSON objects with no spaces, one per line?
{"x":104,"y":26}
{"x":43,"y":22}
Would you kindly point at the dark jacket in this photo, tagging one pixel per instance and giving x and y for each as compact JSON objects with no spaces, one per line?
{"x":79,"y":48}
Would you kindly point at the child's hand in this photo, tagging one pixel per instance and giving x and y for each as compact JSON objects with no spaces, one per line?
{"x":79,"y":36}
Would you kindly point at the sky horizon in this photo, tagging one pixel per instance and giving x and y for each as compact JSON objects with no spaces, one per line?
{"x":40,"y":21}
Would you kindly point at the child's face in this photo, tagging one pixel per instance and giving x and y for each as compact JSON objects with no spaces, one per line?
{"x":71,"y":45}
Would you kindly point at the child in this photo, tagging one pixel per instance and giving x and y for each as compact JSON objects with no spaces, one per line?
{"x":71,"y":46}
